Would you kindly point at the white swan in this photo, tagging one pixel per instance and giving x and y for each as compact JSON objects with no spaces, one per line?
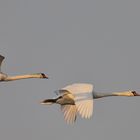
{"x":78,"y":98}
{"x":5,"y":77}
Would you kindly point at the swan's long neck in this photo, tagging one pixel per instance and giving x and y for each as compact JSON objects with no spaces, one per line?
{"x":26,"y":76}
{"x":125,"y":93}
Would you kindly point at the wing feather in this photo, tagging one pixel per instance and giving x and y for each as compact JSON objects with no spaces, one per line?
{"x":83,"y":98}
{"x":85,"y":108}
{"x":69,"y":112}
{"x":61,"y":92}
{"x":1,"y":59}
{"x":79,"y":88}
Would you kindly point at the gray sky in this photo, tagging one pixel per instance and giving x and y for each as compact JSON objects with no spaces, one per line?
{"x":72,"y":41}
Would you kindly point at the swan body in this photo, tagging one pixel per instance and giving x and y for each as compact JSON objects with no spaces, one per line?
{"x":73,"y":99}
{"x":6,"y":78}
{"x":78,"y":99}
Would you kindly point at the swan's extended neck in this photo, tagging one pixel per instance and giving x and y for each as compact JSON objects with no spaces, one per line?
{"x":26,"y":76}
{"x":124,"y":93}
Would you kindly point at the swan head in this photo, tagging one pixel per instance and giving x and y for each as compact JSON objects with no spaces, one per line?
{"x":135,"y":93}
{"x":42,"y":75}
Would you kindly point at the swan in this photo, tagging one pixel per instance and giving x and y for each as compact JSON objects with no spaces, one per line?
{"x":5,"y":77}
{"x":78,"y":98}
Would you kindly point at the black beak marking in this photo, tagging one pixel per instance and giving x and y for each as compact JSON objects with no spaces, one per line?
{"x":135,"y":93}
{"x":44,"y":76}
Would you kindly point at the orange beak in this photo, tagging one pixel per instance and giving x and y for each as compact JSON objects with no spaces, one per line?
{"x":44,"y":76}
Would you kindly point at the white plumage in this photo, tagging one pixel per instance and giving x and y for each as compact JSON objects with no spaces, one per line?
{"x":83,"y":98}
{"x":74,"y":99}
{"x":78,"y":99}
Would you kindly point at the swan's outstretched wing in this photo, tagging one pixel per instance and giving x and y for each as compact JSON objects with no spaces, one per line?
{"x":70,"y":113}
{"x":1,"y":59}
{"x":83,"y":98}
{"x":79,"y":88}
{"x":85,"y":108}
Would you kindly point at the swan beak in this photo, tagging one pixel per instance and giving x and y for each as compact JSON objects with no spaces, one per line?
{"x":135,"y":93}
{"x":44,"y":76}
{"x":42,"y":102}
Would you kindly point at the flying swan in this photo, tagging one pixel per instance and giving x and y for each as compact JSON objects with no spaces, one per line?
{"x":78,"y":99}
{"x":5,"y":77}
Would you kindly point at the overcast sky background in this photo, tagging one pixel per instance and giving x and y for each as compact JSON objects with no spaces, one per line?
{"x":72,"y":41}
